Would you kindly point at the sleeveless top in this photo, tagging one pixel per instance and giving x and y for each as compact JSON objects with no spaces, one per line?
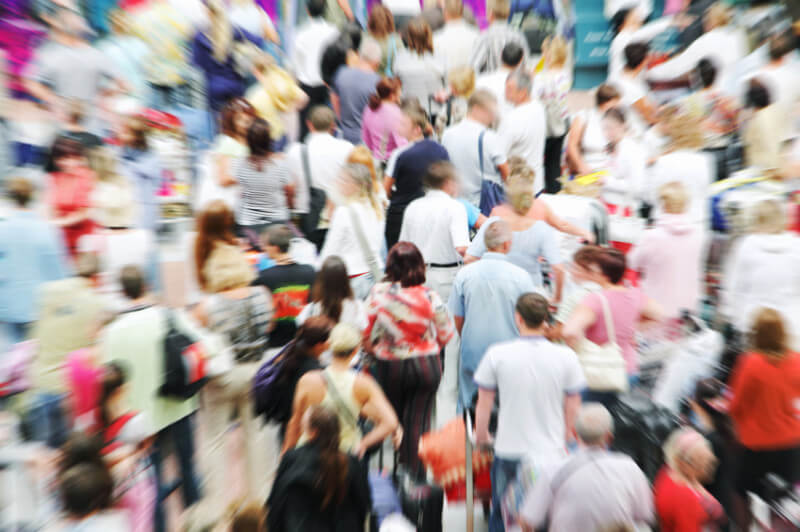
{"x":341,"y":401}
{"x":594,"y":143}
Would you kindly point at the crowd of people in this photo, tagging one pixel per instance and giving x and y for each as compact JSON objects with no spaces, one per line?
{"x":392,"y":226}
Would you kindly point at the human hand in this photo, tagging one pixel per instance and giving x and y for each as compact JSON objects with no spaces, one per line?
{"x":397,"y":437}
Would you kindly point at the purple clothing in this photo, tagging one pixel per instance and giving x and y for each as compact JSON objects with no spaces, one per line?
{"x":378,"y":130}
{"x":626,"y":307}
{"x":223,"y":82}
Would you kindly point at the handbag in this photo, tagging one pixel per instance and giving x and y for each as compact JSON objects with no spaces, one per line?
{"x":603,"y":365}
{"x":316,"y":197}
{"x":492,"y":193}
{"x":369,"y":256}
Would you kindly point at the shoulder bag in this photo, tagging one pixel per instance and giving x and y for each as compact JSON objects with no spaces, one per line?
{"x":369,"y":256}
{"x":492,"y":193}
{"x":603,"y":365}
{"x":316,"y":198}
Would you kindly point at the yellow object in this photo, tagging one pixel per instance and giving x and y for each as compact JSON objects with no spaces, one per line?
{"x":590,"y":179}
{"x":278,"y":94}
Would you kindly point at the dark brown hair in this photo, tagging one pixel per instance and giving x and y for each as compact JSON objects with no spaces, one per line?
{"x":419,"y":37}
{"x":533,"y":308}
{"x":332,"y":287}
{"x":227,"y":121}
{"x":113,"y":378}
{"x":613,"y":264}
{"x":259,"y":142}
{"x":138,"y":129}
{"x":331,"y":481}
{"x":587,"y":256}
{"x":65,"y":147}
{"x":214,"y":225}
{"x":384,"y":89}
{"x":605,"y":93}
{"x":248,"y":519}
{"x":405,"y":265}
{"x":20,"y":191}
{"x":438,"y":174}
{"x":381,"y":21}
{"x":314,"y":331}
{"x":768,"y":333}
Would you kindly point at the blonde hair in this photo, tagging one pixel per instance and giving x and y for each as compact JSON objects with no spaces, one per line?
{"x":362,"y":155}
{"x":462,"y":81}
{"x":679,"y":446}
{"x":684,"y":129}
{"x":500,"y":9}
{"x":227,"y":268}
{"x":104,"y":163}
{"x":769,"y":217}
{"x":361,"y":176}
{"x":519,"y":188}
{"x":220,"y":31}
{"x":673,"y":197}
{"x":718,"y":15}
{"x":555,"y":51}
{"x":344,"y":339}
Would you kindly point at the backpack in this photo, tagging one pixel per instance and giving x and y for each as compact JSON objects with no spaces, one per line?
{"x":184,"y":364}
{"x":111,"y":433}
{"x":269,"y":397}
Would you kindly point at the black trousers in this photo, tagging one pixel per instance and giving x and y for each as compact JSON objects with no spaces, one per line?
{"x":552,"y":164}
{"x":394,"y":221}
{"x":317,"y":95}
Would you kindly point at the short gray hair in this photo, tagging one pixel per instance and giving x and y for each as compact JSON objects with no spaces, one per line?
{"x":370,"y":50}
{"x":497,"y":234}
{"x":594,"y":423}
{"x":522,"y":80}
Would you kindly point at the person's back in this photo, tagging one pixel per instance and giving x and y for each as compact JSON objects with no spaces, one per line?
{"x":342,"y":401}
{"x":290,"y":285}
{"x":693,"y":168}
{"x":353,"y":87}
{"x":461,"y":142}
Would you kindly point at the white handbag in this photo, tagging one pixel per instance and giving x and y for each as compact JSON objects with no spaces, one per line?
{"x":603,"y":365}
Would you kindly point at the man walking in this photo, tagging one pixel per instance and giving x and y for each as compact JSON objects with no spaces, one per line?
{"x":523,"y":128}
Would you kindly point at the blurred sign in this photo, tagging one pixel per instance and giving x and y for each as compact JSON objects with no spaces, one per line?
{"x":593,"y":38}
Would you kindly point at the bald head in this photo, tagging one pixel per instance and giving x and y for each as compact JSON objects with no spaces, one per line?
{"x":594,"y":424}
{"x":498,"y":237}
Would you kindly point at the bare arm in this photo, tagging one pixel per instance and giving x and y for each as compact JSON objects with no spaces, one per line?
{"x":504,"y":171}
{"x":564,"y":226}
{"x":483,"y":411}
{"x":289,"y":191}
{"x":459,"y":322}
{"x":481,"y":220}
{"x":468,"y":259}
{"x":200,"y":314}
{"x":299,"y":406}
{"x":574,"y":155}
{"x":578,"y":322}
{"x":335,"y":104}
{"x":378,"y":410}
{"x":651,"y":311}
{"x":572,"y":403}
{"x":558,"y":272}
{"x":224,"y":177}
{"x":461,"y":250}
{"x":647,"y":110}
{"x":388,"y":183}
{"x":345,"y":5}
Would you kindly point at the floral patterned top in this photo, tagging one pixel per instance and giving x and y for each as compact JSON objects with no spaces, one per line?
{"x":406,"y":322}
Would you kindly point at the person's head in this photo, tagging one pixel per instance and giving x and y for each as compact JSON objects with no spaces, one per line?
{"x":322,"y":427}
{"x":689,"y":454}
{"x":132,"y":280}
{"x":220,"y":30}
{"x":228,"y":269}
{"x":353,"y":34}
{"x":594,"y":425}
{"x":673,"y":197}
{"x":321,"y":119}
{"x":555,"y":52}
{"x":453,"y":9}
{"x":236,"y":118}
{"x":80,"y":448}
{"x":356,"y":183}
{"x":345,"y":341}
{"x":497,"y":237}
{"x":415,"y":124}
{"x":612,"y":265}
{"x":706,"y":72}
{"x":316,"y":8}
{"x":614,"y":125}
{"x":606,"y":96}
{"x":332,"y":287}
{"x":531,"y":313}
{"x":519,"y":189}
{"x":68,"y":155}
{"x":85,"y":489}
{"x":419,"y":37}
{"x":386,"y":90}
{"x":757,"y":96}
{"x":112,"y":382}
{"x":636,"y":56}
{"x":258,"y":139}
{"x":512,"y":55}
{"x":683,"y":129}
{"x":781,"y":45}
{"x":718,"y":16}
{"x":87,"y":265}
{"x":277,"y":240}
{"x":381,"y":22}
{"x":518,"y":87}
{"x":441,"y":175}
{"x":214,"y":225}
{"x":585,"y":266}
{"x":769,"y":217}
{"x":370,"y":52}
{"x":134,"y":133}
{"x":623,"y":18}
{"x":311,"y":339}
{"x":768,"y":334}
{"x":20,"y":191}
{"x":499,"y":10}
{"x":335,"y":55}
{"x":482,"y":107}
{"x":249,"y":518}
{"x":405,"y":265}
{"x":363,"y":156}
{"x":462,"y":81}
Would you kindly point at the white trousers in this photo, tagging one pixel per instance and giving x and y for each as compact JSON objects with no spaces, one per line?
{"x":440,"y":280}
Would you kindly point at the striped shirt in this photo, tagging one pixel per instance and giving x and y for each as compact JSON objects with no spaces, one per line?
{"x":262,"y":199}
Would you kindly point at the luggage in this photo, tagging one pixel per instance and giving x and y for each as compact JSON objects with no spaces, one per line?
{"x":422,"y":503}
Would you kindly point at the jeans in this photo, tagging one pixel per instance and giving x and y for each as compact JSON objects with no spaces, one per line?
{"x":47,"y":420}
{"x":28,"y":154}
{"x":165,"y":96}
{"x":362,"y":285}
{"x":504,"y":472}
{"x":181,"y":435}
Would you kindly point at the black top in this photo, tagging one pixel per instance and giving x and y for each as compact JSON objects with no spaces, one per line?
{"x":290,"y":285}
{"x":295,"y":504}
{"x":410,"y":168}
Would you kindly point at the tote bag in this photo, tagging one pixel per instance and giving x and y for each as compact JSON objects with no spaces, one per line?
{"x":603,"y":365}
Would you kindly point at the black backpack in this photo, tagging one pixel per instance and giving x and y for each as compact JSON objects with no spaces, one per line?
{"x":184,"y":364}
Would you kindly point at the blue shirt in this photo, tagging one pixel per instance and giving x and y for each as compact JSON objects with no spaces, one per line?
{"x":32,"y":252}
{"x":539,"y":240}
{"x":145,"y":173}
{"x":484,"y":294}
{"x":473,"y":213}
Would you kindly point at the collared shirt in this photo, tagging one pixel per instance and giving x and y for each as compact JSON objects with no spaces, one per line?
{"x":489,"y":287}
{"x":461,"y":142}
{"x":437,"y":225}
{"x":310,"y":41}
{"x":449,"y":43}
{"x":32,"y":252}
{"x":489,"y":46}
{"x":531,"y":376}
{"x":523,"y":130}
{"x":604,"y":489}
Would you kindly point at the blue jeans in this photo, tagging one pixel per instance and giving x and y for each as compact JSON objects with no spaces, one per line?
{"x":47,"y":420}
{"x":181,"y":436}
{"x":166,"y":96}
{"x":504,"y":472}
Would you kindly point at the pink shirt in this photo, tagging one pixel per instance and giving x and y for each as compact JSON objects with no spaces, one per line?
{"x":378,"y":129}
{"x":626,"y":308}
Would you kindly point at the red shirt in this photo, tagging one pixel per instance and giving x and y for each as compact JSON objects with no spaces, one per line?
{"x":766,"y":401}
{"x":682,"y":509}
{"x":70,"y":193}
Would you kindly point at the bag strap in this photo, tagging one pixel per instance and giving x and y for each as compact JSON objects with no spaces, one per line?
{"x":112,"y":431}
{"x":612,"y":334}
{"x":372,"y":262}
{"x":480,"y":150}
{"x":568,"y":469}
{"x":306,"y":165}
{"x":338,"y":399}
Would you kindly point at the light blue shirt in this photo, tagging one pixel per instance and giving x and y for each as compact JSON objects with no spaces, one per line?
{"x":32,"y":252}
{"x":484,"y":294}
{"x":539,"y":240}
{"x":144,"y":171}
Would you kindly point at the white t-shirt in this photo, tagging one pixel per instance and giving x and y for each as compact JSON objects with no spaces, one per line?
{"x":353,"y":313}
{"x":403,"y":7}
{"x":624,"y":184}
{"x":495,"y":83}
{"x":523,"y":131}
{"x":342,"y":239}
{"x":250,"y":17}
{"x":531,"y":376}
{"x":437,"y":225}
{"x":309,"y":43}
{"x":326,"y":157}
{"x":461,"y":143}
{"x":632,"y":89}
{"x":449,"y":43}
{"x":594,"y":141}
